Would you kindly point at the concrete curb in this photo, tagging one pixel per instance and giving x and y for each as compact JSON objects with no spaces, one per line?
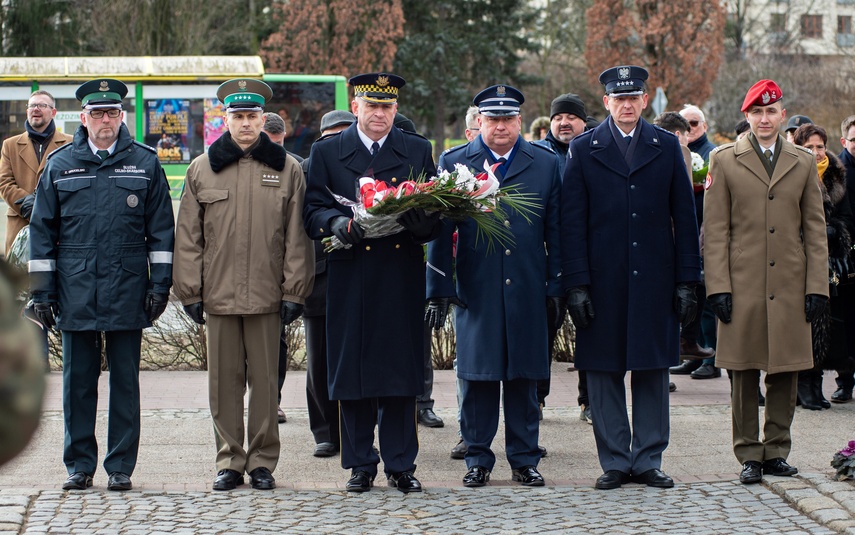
{"x":830,"y":503}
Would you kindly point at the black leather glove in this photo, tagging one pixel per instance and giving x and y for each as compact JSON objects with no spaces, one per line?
{"x":346,"y":230}
{"x":437,"y":310}
{"x":26,"y":205}
{"x":196,"y":312}
{"x":556,"y":307}
{"x":814,"y":306}
{"x":722,"y":305}
{"x":289,"y":312}
{"x":418,"y":222}
{"x":46,"y":313}
{"x":155,"y":304}
{"x":685,"y":302}
{"x":580,"y":307}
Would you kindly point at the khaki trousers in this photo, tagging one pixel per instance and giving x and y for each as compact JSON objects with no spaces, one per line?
{"x":780,"y":408}
{"x":243,"y":351}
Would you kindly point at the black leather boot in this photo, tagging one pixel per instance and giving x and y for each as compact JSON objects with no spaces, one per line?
{"x":806,"y":394}
{"x":817,"y":390}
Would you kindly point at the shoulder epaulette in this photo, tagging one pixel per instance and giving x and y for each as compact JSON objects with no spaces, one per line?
{"x":723,"y":147}
{"x":60,"y":148}
{"x":453,"y":149}
{"x":807,"y":150}
{"x":544,"y":147}
{"x":583,"y":134}
{"x":146,"y":147}
{"x":329,"y":136}
{"x":414,"y":134}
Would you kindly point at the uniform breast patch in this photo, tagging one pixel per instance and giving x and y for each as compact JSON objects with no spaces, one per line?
{"x":133,"y":200}
{"x":76,"y":171}
{"x":270,"y":180}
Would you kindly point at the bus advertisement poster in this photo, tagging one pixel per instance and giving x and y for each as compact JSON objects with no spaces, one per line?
{"x":167,"y":128}
{"x":215,"y":121}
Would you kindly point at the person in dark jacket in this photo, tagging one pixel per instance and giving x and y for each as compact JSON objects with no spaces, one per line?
{"x":101,"y":244}
{"x":630,"y":260}
{"x":375,"y":334}
{"x":499,"y":291}
{"x":829,"y":339}
{"x":846,"y":290}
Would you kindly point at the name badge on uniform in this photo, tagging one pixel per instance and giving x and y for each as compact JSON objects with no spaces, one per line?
{"x":77,"y":171}
{"x":133,"y":200}
{"x":270,"y":180}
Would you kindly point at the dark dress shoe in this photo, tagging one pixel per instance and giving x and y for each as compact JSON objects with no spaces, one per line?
{"x":824,"y":403}
{"x":778,"y":467}
{"x":841,"y":395}
{"x":477,"y":476}
{"x":77,"y":481}
{"x":695,"y":351}
{"x":261,"y":479}
{"x":612,"y":479}
{"x":751,"y":472}
{"x":654,"y":478}
{"x":459,"y":451}
{"x":227,"y":479}
{"x":119,"y":481}
{"x":672,"y":387}
{"x":325,"y":449}
{"x":528,"y":476}
{"x":428,"y":419}
{"x":687,"y":367}
{"x":405,"y":482}
{"x":706,"y":371}
{"x":543,"y":452}
{"x":360,"y":481}
{"x":280,"y":415}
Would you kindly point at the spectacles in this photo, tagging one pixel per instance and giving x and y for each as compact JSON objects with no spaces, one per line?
{"x":694,"y":124}
{"x":850,"y":140}
{"x":99,"y":114}
{"x":477,"y":129}
{"x":39,"y":105}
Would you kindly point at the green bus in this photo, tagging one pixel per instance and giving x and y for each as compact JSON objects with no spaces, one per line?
{"x":171,"y":103}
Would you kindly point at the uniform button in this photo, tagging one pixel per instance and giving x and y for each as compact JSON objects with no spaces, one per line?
{"x":507,"y":282}
{"x":322,"y":229}
{"x":394,"y":179}
{"x":772,"y":297}
{"x":367,"y":247}
{"x":771,"y":262}
{"x":635,"y":244}
{"x":635,"y":273}
{"x":634,"y":215}
{"x":632,"y":187}
{"x":397,"y":246}
{"x":771,"y":230}
{"x":507,"y":252}
{"x":771,"y":196}
{"x":507,"y":223}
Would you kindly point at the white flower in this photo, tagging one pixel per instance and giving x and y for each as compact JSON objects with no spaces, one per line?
{"x":697,"y":162}
{"x":465,"y":180}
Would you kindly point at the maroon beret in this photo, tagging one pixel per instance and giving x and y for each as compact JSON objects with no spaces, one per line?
{"x":762,"y":93}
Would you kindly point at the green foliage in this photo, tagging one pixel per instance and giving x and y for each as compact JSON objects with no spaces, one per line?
{"x":455,"y":48}
{"x":39,"y":28}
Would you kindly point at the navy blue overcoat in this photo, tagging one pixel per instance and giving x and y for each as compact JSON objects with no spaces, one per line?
{"x":376,"y":289}
{"x":501,"y":335}
{"x":630,"y":233}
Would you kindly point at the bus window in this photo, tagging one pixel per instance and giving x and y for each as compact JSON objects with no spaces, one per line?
{"x":13,"y":109}
{"x":68,"y":107}
{"x":301,"y":105}
{"x":174,"y":120}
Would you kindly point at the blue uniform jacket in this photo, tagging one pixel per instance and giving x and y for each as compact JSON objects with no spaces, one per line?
{"x":630,"y":233}
{"x":375,"y":289}
{"x":101,"y":234}
{"x":501,"y":335}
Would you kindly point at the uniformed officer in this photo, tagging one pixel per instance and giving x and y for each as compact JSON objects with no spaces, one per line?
{"x":101,"y":238}
{"x":630,"y":261}
{"x":243,"y":257}
{"x":376,"y":287}
{"x":766,"y":260}
{"x":501,"y":291}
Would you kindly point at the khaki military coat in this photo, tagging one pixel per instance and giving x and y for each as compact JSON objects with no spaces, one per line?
{"x":19,"y":173}
{"x":765,"y":244}
{"x":240,"y":245}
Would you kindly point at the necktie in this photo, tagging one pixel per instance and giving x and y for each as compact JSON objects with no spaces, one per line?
{"x":375,"y":147}
{"x":628,"y":139}
{"x":103,"y":154}
{"x":768,"y":154}
{"x":502,"y":161}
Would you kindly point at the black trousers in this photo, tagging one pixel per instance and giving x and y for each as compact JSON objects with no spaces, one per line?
{"x":323,"y":413}
{"x":543,"y":385}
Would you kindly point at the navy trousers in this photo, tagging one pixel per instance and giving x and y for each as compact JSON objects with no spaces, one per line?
{"x":395,"y":418}
{"x":631,"y":450}
{"x":81,"y":368}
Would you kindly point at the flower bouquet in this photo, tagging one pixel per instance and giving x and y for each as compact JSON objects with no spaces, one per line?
{"x":844,"y":462}
{"x":699,"y":169}
{"x":456,"y":195}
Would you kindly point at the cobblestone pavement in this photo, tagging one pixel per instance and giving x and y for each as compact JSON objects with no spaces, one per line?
{"x":700,"y":508}
{"x":172,"y":482}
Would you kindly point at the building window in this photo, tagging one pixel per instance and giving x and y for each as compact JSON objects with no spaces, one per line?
{"x":812,"y":26}
{"x":778,"y":23}
{"x":845,"y":38}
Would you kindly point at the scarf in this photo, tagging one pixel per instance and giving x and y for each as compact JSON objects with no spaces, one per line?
{"x":40,"y":139}
{"x":821,"y":166}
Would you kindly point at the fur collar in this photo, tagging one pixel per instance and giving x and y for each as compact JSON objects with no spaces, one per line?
{"x":224,"y":152}
{"x":834,"y":181}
